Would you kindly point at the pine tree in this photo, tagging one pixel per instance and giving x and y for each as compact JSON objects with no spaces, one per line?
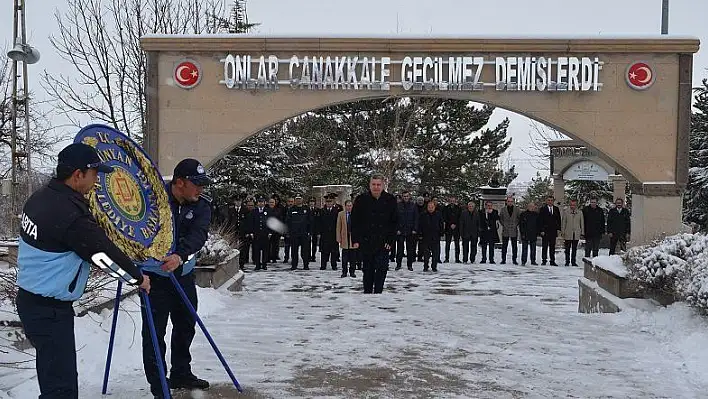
{"x":696,"y":196}
{"x":538,"y":190}
{"x":583,"y":191}
{"x":237,"y":21}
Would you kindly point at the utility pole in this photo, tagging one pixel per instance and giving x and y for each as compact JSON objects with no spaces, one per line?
{"x":664,"y":17}
{"x":20,"y":149}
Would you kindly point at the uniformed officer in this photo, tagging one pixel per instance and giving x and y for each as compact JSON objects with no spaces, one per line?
{"x":59,"y":238}
{"x":328,"y":233}
{"x":299,"y":221}
{"x":315,"y":226}
{"x":259,"y":233}
{"x":237,"y":217}
{"x":192,"y":215}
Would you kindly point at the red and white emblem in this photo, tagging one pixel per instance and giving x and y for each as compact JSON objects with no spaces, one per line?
{"x":640,"y":76}
{"x":187,"y":74}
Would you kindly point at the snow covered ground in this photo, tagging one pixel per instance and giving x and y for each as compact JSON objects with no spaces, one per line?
{"x":468,"y":331}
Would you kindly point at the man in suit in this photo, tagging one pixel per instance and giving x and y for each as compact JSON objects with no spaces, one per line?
{"x":488,"y":231}
{"x":594,"y":219}
{"x":451,"y":215}
{"x":509,"y":219}
{"x":528,"y":229}
{"x":344,"y":238}
{"x":406,"y":231}
{"x":328,"y":233}
{"x":550,"y":221}
{"x":469,"y":231}
{"x":259,"y":233}
{"x":237,"y":223}
{"x":431,"y":227}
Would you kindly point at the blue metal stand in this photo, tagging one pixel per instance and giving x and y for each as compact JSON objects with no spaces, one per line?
{"x":187,"y":303}
{"x":153,"y":335}
{"x":112,"y":339}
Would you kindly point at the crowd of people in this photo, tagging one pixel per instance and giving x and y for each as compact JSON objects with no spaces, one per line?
{"x":421,"y":224}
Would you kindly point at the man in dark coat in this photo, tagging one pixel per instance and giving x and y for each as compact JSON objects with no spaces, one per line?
{"x":314,"y":226}
{"x":274,"y":241}
{"x":594,"y":218}
{"x":529,"y":229}
{"x":431,"y":226}
{"x":286,"y":239}
{"x":469,"y":231}
{"x":406,"y":231}
{"x":488,"y":231}
{"x":237,"y":223}
{"x":420,"y":205}
{"x":299,"y":220}
{"x":374,"y":219}
{"x":328,"y":233}
{"x":550,"y":222}
{"x":619,"y":225}
{"x":452,"y":214}
{"x":259,"y":233}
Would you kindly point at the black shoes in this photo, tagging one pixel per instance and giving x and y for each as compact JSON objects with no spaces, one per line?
{"x":188,"y":382}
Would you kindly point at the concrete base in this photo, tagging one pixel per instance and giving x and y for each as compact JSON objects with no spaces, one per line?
{"x":593,"y":299}
{"x":214,"y":276}
{"x":654,"y":218}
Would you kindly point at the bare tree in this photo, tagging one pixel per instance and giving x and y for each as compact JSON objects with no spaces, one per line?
{"x":101,"y":40}
{"x":539,"y":150}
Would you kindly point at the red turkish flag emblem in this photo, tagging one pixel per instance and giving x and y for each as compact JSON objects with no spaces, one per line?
{"x":187,"y":74}
{"x":640,"y":76}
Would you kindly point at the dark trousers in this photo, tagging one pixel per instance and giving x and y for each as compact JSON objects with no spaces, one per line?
{"x":166,"y":302}
{"x":548,"y":244}
{"x":392,"y":254}
{"x":409,"y":241}
{"x":528,"y":247}
{"x":274,"y":243}
{"x":592,"y":246}
{"x":330,"y":253}
{"x":620,"y":239}
{"x":514,"y":248}
{"x":469,"y":249}
{"x":350,"y":258}
{"x":315,"y":240}
{"x":571,"y":251}
{"x":244,"y":249}
{"x":49,"y":326}
{"x":260,"y":250}
{"x":449,"y":236}
{"x":431,"y":247}
{"x":286,"y":249}
{"x":375,"y":268}
{"x":419,"y":248}
{"x":487,"y":242}
{"x":303,"y":244}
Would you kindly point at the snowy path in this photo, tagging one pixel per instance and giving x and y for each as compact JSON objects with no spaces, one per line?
{"x":482,"y":331}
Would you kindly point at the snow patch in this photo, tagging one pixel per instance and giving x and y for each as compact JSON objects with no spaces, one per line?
{"x":612,"y":263}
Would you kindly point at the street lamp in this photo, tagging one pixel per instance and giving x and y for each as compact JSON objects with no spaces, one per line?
{"x":24,"y":53}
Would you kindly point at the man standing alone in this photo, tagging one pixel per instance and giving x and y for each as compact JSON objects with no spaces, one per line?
{"x":374,"y":218}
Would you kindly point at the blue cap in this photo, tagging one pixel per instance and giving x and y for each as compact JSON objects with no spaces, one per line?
{"x":192,"y":170}
{"x":82,"y":156}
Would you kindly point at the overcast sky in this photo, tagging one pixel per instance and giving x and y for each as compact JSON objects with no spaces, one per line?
{"x":439,"y":17}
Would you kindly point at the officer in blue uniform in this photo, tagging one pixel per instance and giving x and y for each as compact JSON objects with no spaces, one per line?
{"x":259,"y":233}
{"x":192,"y":215}
{"x":59,"y":240}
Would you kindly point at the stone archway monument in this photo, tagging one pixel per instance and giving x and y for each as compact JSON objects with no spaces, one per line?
{"x":627,"y":99}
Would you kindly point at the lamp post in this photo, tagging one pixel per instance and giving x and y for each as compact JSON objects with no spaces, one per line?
{"x":664,"y":17}
{"x":25,"y":54}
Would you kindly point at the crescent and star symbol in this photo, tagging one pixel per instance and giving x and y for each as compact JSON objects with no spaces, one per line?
{"x":640,"y":76}
{"x":187,"y":74}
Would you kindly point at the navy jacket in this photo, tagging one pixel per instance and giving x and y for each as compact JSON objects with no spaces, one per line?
{"x":59,"y":241}
{"x":407,"y":218}
{"x":374,"y":222}
{"x":192,"y":229}
{"x":299,"y":221}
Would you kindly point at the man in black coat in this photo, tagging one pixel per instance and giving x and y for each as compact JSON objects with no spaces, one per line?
{"x":299,"y":221}
{"x":328,"y":233}
{"x":374,"y":220}
{"x":469,"y":231}
{"x":529,"y":229}
{"x":488,"y":231}
{"x":258,"y":231}
{"x":550,"y":223}
{"x":278,"y":212}
{"x":594,"y":219}
{"x":314,"y":226}
{"x":619,"y":225}
{"x":452,"y":214}
{"x":431,"y":226}
{"x":237,"y":223}
{"x":406,"y":231}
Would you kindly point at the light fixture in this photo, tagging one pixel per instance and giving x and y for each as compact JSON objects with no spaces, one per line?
{"x":24,"y":53}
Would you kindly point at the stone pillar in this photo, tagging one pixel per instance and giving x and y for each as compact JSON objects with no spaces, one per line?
{"x":559,"y":189}
{"x":654,"y":217}
{"x":619,"y":187}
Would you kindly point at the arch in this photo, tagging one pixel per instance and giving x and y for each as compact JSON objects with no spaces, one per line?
{"x":623,"y":169}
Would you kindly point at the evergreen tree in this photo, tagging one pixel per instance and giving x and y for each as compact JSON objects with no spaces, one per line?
{"x":237,"y":20}
{"x":538,"y":190}
{"x":583,"y":191}
{"x":696,"y":196}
